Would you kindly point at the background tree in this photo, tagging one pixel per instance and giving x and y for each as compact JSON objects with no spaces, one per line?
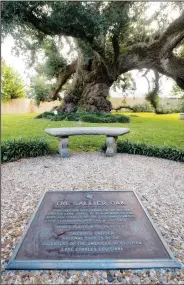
{"x":111,"y":38}
{"x":153,"y":94}
{"x":176,"y":90}
{"x":41,"y":90}
{"x":11,"y":84}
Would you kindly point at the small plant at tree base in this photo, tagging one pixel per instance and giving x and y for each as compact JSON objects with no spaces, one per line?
{"x":47,"y":115}
{"x":86,"y":117}
{"x":104,"y":118}
{"x":12,"y":150}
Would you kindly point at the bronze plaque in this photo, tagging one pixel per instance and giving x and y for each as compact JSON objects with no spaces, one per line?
{"x":90,"y":230}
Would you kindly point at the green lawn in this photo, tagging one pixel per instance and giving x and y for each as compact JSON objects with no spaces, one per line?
{"x":148,"y":128}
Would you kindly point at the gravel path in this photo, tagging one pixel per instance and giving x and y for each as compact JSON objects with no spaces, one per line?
{"x":158,"y":182}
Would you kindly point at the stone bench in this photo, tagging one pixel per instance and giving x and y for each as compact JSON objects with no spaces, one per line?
{"x":111,"y":133}
{"x":181,"y":116}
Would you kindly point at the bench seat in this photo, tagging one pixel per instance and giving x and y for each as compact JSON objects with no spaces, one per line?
{"x":111,"y":133}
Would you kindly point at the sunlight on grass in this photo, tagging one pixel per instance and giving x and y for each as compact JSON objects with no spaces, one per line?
{"x":148,"y":128}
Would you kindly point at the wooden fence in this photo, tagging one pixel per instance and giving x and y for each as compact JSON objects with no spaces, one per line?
{"x":26,"y":106}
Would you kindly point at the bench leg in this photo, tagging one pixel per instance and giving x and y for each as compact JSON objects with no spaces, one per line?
{"x":111,"y":143}
{"x":63,"y":147}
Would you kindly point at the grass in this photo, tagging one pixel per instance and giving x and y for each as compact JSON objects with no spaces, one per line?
{"x":158,"y":130}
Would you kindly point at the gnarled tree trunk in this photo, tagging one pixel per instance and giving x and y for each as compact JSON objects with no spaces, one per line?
{"x":90,"y":88}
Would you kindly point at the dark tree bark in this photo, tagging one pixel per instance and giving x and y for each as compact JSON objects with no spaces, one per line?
{"x":62,"y":78}
{"x":152,"y":96}
{"x":158,"y":55}
{"x":90,"y":88}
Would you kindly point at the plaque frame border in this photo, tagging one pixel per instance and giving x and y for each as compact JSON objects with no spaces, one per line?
{"x":90,"y":264}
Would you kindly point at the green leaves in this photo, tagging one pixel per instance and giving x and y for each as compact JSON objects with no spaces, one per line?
{"x":12,"y":86}
{"x":88,"y":21}
{"x":86,"y":117}
{"x":148,"y":150}
{"x":12,"y":150}
{"x":41,"y":90}
{"x":104,"y":118}
{"x":54,"y":61}
{"x":144,"y":107}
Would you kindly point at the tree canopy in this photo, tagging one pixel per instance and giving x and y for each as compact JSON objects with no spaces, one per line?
{"x":115,"y":37}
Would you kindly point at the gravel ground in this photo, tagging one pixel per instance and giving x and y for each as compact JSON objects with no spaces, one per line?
{"x":159,"y":183}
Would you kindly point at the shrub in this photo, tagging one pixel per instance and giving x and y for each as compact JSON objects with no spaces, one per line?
{"x":66,"y":117}
{"x":72,"y":117}
{"x":41,"y":90}
{"x":144,"y":107}
{"x":45,"y":115}
{"x":167,"y":109}
{"x":12,"y":86}
{"x":122,"y":118}
{"x":148,"y":150}
{"x":108,"y":118}
{"x":12,"y":150}
{"x":182,"y":107}
{"x":86,"y":117}
{"x":162,"y":110}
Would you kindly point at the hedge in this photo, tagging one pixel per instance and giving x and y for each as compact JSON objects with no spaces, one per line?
{"x":148,"y":150}
{"x":12,"y":150}
{"x":85,"y":117}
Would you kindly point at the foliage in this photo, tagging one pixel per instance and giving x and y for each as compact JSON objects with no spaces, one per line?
{"x":182,"y":107}
{"x":103,"y":25}
{"x":153,"y":98}
{"x":126,"y":83}
{"x":148,"y":150}
{"x":176,"y":90}
{"x":104,"y":118}
{"x":41,"y":90}
{"x":44,"y":115}
{"x":66,"y":117}
{"x":86,"y":117}
{"x":84,"y":20}
{"x":12,"y":86}
{"x":53,"y":62}
{"x":144,"y":107}
{"x":12,"y":150}
{"x":38,"y":26}
{"x":108,"y":28}
{"x":163,"y":109}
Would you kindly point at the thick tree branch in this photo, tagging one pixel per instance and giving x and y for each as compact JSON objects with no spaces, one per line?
{"x":42,"y":25}
{"x":144,"y":75}
{"x":115,"y":45}
{"x":62,"y":78}
{"x":152,"y":96}
{"x":158,"y":55}
{"x":47,"y":28}
{"x":172,"y":36}
{"x":156,"y":87}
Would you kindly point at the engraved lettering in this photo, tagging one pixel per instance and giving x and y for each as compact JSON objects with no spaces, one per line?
{"x":117,"y":203}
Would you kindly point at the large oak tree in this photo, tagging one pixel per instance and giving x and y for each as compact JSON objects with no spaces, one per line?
{"x":109,"y":42}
